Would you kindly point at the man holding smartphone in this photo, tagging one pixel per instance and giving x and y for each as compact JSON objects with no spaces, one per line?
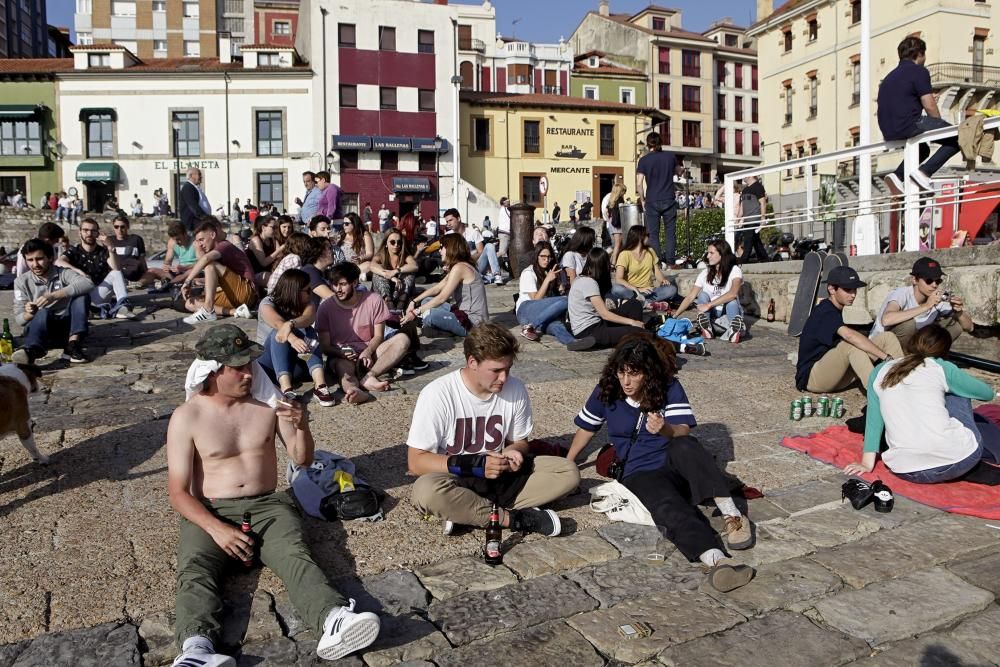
{"x":351,"y":329}
{"x":468,"y":444}
{"x":909,"y":309}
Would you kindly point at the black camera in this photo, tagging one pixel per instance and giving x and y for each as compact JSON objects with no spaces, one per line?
{"x":616,"y":469}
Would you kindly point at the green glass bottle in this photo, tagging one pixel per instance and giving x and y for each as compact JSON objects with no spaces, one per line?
{"x":6,"y":344}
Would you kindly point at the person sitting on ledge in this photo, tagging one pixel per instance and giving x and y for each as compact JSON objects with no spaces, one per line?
{"x":222,"y":468}
{"x":832,"y":355}
{"x":908,"y":309}
{"x":468,"y":444}
{"x":229,"y":278}
{"x":717,"y":291}
{"x":649,"y":420}
{"x":637,"y":272}
{"x":922,"y":402}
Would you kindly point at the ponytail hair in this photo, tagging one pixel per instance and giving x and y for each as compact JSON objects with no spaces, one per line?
{"x":930,"y":341}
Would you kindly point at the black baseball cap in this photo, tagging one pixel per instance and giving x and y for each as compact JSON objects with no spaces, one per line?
{"x":845,"y":277}
{"x":927,"y":268}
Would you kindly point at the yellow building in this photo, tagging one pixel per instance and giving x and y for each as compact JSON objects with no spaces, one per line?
{"x":509,"y":142}
{"x":810,"y":75}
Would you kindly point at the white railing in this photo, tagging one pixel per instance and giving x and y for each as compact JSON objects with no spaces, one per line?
{"x":910,"y":206}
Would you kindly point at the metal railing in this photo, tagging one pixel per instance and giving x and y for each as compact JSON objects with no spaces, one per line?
{"x":945,"y":73}
{"x":471,"y":44}
{"x":910,"y":206}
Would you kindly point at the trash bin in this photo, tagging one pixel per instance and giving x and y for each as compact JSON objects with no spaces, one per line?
{"x":630,"y":216}
{"x":522,"y":227}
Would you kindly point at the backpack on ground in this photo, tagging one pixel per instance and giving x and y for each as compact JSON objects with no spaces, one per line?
{"x":676,"y":331}
{"x":330,"y":489}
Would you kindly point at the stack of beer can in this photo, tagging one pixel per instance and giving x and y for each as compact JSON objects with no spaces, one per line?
{"x":825,"y":407}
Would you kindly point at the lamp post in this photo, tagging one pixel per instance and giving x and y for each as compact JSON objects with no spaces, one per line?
{"x":687,"y":207}
{"x":438,"y":143}
{"x":176,"y":124}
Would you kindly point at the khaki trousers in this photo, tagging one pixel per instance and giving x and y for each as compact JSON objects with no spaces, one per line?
{"x":844,"y":364}
{"x":904,"y":331}
{"x":450,"y":497}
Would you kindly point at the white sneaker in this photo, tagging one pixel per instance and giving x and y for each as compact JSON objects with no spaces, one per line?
{"x":922,"y":179}
{"x":345,"y":632}
{"x":243,"y":311}
{"x":498,"y":279}
{"x":201,"y":315}
{"x":894,"y":184}
{"x":200,"y":652}
{"x":124,"y":313}
{"x":449,"y":527}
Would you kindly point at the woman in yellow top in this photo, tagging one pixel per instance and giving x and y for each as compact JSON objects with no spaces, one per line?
{"x":637,"y":273}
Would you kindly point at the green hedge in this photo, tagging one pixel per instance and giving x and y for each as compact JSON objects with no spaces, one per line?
{"x":705,"y":224}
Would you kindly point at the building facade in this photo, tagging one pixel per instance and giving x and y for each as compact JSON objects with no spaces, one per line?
{"x":247,"y":126}
{"x":683,"y":81}
{"x":23,"y":29}
{"x":509,"y":142}
{"x":162,"y":28}
{"x":598,"y":77}
{"x":275,"y":21}
{"x":810,"y":75}
{"x":29,"y":141}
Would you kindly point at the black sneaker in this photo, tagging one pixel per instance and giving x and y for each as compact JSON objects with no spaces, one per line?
{"x":858,"y":491}
{"x":580,"y":344}
{"x":543,"y":522}
{"x":694,"y":348}
{"x":883,"y":497}
{"x":415,"y":363}
{"x":73,"y":354}
{"x":27,"y":355}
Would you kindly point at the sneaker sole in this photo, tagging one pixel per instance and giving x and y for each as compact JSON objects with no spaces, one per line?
{"x":556,"y":524}
{"x":327,"y":404}
{"x":581,"y":344}
{"x":746,"y":544}
{"x":725,"y":578}
{"x":355,"y":638}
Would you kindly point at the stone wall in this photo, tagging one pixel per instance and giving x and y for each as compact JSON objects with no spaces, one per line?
{"x":17,"y":225}
{"x":973,"y":273}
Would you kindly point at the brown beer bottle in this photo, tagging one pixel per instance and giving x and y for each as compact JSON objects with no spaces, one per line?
{"x":770,"y":311}
{"x":494,"y":537}
{"x":245,"y":527}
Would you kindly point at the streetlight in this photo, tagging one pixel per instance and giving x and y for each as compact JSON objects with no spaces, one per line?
{"x":687,"y":207}
{"x":176,"y":124}
{"x":438,"y":143}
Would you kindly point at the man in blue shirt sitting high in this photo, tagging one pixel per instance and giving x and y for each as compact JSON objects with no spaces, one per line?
{"x":903,"y":97}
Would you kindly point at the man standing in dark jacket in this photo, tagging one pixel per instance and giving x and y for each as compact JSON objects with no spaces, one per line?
{"x":193,"y":202}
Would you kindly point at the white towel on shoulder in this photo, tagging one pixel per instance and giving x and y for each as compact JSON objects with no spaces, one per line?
{"x":262,"y":389}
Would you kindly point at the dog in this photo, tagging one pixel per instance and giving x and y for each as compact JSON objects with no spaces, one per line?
{"x":16,"y":382}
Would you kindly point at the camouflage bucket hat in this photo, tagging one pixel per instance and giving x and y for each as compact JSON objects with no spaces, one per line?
{"x":229,"y":345}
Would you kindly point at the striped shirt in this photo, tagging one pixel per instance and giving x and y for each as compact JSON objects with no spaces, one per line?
{"x":626,"y":424}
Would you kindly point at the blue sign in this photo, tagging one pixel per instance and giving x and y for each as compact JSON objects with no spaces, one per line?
{"x":411,"y":184}
{"x":350,"y":142}
{"x":423,"y":145}
{"x":391,"y":143}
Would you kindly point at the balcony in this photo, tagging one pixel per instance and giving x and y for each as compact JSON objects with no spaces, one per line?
{"x":812,"y":112}
{"x":477,"y":45}
{"x":961,"y":73}
{"x":552,"y":90}
{"x":788,"y":119}
{"x":855,"y":99}
{"x":233,"y":7}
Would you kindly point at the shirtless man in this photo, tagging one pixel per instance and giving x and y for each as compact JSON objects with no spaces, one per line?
{"x":221,"y":465}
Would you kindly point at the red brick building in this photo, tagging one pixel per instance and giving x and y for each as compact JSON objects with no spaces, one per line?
{"x":275,"y":21}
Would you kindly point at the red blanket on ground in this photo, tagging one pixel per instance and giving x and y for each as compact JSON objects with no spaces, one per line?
{"x":838,"y":446}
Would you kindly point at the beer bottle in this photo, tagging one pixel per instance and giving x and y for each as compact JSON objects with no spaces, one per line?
{"x":6,"y":344}
{"x":245,"y":527}
{"x":493,"y":538}
{"x":770,"y":311}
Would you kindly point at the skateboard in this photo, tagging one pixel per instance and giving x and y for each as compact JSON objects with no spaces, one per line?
{"x":805,"y":294}
{"x":830,"y":262}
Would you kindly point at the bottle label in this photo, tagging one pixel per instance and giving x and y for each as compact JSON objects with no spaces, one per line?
{"x":493,"y":549}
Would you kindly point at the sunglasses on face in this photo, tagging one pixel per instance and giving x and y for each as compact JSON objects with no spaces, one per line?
{"x":933,"y":281}
{"x":120,"y":227}
{"x":394,"y":242}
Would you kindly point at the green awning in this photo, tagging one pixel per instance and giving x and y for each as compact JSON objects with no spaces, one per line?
{"x":87,"y":113}
{"x":18,"y":110}
{"x":98,"y":171}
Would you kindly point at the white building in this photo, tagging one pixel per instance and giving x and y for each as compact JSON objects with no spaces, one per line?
{"x":129,"y":127}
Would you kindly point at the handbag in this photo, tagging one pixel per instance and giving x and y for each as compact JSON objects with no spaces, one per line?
{"x":608,"y":464}
{"x":618,"y":503}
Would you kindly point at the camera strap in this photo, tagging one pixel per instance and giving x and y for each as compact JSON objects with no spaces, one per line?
{"x":635,"y":435}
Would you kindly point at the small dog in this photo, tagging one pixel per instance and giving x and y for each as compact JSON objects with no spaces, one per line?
{"x":16,"y":382}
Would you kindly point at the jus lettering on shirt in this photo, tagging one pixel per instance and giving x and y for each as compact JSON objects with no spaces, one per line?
{"x":477,"y":434}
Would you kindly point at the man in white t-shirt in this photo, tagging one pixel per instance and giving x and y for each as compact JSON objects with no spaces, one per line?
{"x":384,"y":218}
{"x":909,"y":309}
{"x":483,"y":254}
{"x":468,"y":444}
{"x":503,"y":226}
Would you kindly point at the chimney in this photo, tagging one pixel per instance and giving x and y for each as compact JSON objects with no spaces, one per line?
{"x":764,"y":9}
{"x":225,"y":48}
{"x":603,"y":9}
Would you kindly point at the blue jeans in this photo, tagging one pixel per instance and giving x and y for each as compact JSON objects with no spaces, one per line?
{"x":987,"y":439}
{"x":949,"y":147}
{"x":488,"y":258}
{"x":661,"y":293}
{"x":546,"y":315}
{"x":441,"y":317}
{"x":666,"y":211}
{"x":730,"y":308}
{"x":47,"y":330}
{"x":282,"y":359}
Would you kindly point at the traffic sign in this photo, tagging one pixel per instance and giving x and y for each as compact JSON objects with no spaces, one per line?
{"x":543,"y":185}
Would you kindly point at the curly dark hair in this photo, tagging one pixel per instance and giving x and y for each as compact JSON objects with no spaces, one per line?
{"x":640,"y":353}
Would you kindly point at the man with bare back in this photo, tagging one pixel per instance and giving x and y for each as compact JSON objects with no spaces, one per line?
{"x":221,"y":467}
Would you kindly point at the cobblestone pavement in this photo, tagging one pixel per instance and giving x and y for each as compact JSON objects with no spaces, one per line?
{"x":87,"y":554}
